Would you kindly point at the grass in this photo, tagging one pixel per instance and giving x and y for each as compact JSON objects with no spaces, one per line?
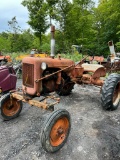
{"x":74,"y":57}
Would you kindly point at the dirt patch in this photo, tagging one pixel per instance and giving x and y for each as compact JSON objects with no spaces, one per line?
{"x":95,"y":133}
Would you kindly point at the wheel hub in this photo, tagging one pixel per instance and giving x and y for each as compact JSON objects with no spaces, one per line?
{"x":9,"y":107}
{"x":59,"y":131}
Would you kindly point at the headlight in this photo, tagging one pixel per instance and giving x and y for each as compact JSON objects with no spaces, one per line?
{"x":43,"y":66}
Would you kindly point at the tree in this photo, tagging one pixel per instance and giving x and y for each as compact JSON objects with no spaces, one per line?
{"x":25,"y":41}
{"x":107,"y":20}
{"x":78,"y":26}
{"x":14,"y":32}
{"x":51,"y":5}
{"x":37,"y":16}
{"x":5,"y":45}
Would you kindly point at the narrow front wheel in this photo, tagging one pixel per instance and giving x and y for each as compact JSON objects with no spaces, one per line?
{"x":56,"y":130}
{"x":10,"y":107}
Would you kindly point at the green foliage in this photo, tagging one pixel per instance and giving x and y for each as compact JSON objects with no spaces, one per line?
{"x":78,"y":23}
{"x":5,"y":45}
{"x":74,"y":57}
{"x":118,"y":46}
{"x":45,"y":47}
{"x":36,"y":43}
{"x":107,"y":20}
{"x":37,"y":16}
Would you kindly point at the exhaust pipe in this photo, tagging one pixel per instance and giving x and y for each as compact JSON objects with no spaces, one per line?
{"x":52,"y":42}
{"x":112,"y":51}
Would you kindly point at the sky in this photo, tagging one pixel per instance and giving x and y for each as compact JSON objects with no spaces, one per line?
{"x":11,"y":8}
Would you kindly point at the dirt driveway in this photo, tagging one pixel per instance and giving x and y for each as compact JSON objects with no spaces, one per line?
{"x":95,"y":133}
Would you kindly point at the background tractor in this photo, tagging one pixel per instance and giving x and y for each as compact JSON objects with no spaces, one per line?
{"x":32,"y":52}
{"x":112,"y":64}
{"x":4,"y":59}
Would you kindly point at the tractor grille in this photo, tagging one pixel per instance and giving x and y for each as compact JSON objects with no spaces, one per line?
{"x":28,"y":75}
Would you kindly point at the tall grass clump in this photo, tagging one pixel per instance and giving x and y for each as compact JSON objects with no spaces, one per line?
{"x":74,"y":57}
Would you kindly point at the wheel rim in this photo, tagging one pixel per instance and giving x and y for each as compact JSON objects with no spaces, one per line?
{"x":59,"y":131}
{"x":11,"y":107}
{"x":116,"y":94}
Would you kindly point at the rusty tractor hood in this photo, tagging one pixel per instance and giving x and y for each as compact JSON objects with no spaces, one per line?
{"x":52,"y":63}
{"x":32,"y":71}
{"x":57,"y":62}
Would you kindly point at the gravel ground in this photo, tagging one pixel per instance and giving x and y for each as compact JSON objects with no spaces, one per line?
{"x":95,"y":133}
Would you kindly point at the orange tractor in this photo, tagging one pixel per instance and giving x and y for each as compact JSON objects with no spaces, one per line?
{"x":112,"y":64}
{"x":43,"y":76}
{"x":4,"y":59}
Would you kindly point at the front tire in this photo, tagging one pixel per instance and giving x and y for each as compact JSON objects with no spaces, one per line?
{"x":10,"y":107}
{"x":56,"y":130}
{"x":111,"y":92}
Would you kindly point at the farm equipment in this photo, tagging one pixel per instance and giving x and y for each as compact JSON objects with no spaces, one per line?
{"x":112,"y":63}
{"x":57,"y":126}
{"x":76,"y":49}
{"x":34,"y":52}
{"x":4,"y":60}
{"x":43,"y":76}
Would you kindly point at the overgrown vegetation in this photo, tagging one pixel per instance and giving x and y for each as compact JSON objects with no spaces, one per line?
{"x":74,"y":57}
{"x":79,"y":22}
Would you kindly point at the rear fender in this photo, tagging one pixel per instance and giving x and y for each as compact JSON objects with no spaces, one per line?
{"x":96,"y":70}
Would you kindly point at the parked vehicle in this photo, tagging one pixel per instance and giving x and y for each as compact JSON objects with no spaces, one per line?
{"x":34,"y":52}
{"x":8,"y":79}
{"x":112,"y":64}
{"x":4,"y":60}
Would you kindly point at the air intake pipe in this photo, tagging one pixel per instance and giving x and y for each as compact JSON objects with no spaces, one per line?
{"x":52,"y":41}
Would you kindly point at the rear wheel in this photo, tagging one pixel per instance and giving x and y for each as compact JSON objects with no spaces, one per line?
{"x":10,"y":107}
{"x":111,"y":92}
{"x":66,"y":86}
{"x":56,"y":130}
{"x":65,"y":89}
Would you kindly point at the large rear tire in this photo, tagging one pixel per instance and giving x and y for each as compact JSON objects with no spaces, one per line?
{"x":66,"y":85}
{"x":56,"y":130}
{"x":10,"y":107}
{"x":111,"y":92}
{"x":65,"y":89}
